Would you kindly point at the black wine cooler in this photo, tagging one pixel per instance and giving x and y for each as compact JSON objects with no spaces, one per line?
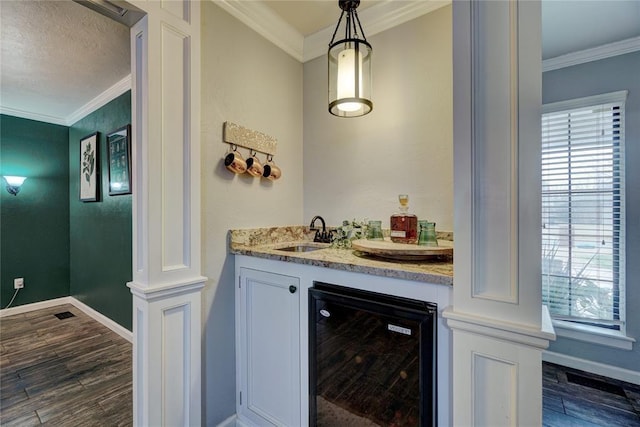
{"x":372,"y":359}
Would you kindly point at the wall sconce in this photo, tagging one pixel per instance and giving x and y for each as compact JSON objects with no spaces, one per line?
{"x":14,"y":183}
{"x":350,"y":66}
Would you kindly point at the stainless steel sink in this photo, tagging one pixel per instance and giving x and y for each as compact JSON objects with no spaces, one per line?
{"x":300,"y":248}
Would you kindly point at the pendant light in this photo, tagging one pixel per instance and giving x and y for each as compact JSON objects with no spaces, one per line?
{"x":349,"y":66}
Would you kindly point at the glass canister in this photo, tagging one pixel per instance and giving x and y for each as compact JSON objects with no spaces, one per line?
{"x":427,"y":235}
{"x":374,"y":232}
{"x":404,"y":226}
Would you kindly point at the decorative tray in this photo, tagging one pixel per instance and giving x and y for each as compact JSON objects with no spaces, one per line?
{"x":402,"y":251}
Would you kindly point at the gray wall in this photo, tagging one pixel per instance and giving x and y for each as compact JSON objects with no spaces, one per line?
{"x":249,"y":81}
{"x":355,"y":168}
{"x":593,"y":78}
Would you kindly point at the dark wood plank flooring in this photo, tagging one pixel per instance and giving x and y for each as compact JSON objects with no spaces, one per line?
{"x":63,"y":372}
{"x":572,"y":398}
{"x":74,"y":371}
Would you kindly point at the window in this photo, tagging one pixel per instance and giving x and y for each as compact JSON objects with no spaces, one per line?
{"x":583,"y":246}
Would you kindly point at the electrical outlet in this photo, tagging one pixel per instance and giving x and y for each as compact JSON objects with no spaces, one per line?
{"x":18,"y":283}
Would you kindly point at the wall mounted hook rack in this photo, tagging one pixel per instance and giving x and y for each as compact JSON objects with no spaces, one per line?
{"x":241,"y":136}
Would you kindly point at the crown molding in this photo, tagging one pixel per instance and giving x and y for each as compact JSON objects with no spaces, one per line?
{"x":593,"y":54}
{"x":33,"y":116}
{"x":271,"y":26}
{"x":267,"y":23}
{"x":376,"y":19}
{"x":99,"y":101}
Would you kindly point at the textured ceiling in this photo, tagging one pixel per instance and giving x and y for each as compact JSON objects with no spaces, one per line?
{"x":58,"y":55}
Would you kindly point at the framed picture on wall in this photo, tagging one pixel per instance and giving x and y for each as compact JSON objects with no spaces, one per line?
{"x":119,"y":151}
{"x":89,"y":168}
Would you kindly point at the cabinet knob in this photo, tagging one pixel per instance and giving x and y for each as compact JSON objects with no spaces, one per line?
{"x":292,"y":289}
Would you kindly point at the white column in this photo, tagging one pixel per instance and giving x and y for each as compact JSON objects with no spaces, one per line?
{"x":497,"y":317}
{"x":167,"y":280}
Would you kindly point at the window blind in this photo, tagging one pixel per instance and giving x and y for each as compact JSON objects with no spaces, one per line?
{"x":583,"y":214}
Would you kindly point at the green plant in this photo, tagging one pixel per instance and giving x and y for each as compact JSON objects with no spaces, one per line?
{"x":347,"y":232}
{"x":572,"y":294}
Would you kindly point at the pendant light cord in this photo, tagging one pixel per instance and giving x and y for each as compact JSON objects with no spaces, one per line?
{"x":352,"y":19}
{"x":336,"y":30}
{"x":355,"y":12}
{"x":14,"y":297}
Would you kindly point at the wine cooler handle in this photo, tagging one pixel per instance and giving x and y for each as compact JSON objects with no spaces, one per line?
{"x":292,"y":289}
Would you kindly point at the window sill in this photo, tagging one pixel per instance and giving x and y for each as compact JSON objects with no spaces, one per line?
{"x":593,"y":334}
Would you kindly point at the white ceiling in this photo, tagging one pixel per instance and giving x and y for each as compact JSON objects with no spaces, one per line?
{"x":58,"y":57}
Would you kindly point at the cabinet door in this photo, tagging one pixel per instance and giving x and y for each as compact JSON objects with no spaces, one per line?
{"x":269,"y":348}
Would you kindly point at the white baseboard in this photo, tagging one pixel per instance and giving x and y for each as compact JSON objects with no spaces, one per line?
{"x":232,"y":421}
{"x":34,"y":306}
{"x":597,"y":368}
{"x":99,"y":317}
{"x":115,"y":327}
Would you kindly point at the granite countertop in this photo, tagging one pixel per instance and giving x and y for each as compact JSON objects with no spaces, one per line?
{"x":264,"y":242}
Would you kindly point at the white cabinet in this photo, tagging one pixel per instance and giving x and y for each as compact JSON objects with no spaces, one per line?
{"x":272,"y":347}
{"x":268,"y":348}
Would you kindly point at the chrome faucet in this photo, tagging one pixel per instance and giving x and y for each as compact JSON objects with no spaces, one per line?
{"x":323,"y":235}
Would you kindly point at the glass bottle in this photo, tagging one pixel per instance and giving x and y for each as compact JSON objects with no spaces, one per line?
{"x":427,"y":234}
{"x":375,"y":230}
{"x":404,"y":226}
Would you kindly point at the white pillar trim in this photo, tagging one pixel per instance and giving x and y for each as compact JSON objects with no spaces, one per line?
{"x":500,"y":329}
{"x":167,"y":280}
{"x":166,"y":358}
{"x":167,"y":289}
{"x":490,"y":283}
{"x":499,"y":326}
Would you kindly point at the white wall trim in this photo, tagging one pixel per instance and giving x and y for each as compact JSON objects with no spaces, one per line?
{"x":35,"y":306}
{"x":500,"y":329}
{"x":593,"y":335}
{"x":175,"y":288}
{"x":33,"y":116}
{"x":95,"y":315}
{"x":593,"y":54}
{"x":100,"y":101}
{"x":104,"y":320}
{"x":597,"y":368}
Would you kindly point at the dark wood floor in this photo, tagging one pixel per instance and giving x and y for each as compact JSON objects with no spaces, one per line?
{"x":63,"y":372}
{"x":573,"y":398}
{"x":74,"y":371}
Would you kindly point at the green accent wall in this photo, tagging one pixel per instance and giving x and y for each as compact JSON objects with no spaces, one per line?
{"x":100,"y":233}
{"x":34,"y":225}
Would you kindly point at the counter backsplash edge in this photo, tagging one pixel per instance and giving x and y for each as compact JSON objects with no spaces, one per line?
{"x":292,"y":233}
